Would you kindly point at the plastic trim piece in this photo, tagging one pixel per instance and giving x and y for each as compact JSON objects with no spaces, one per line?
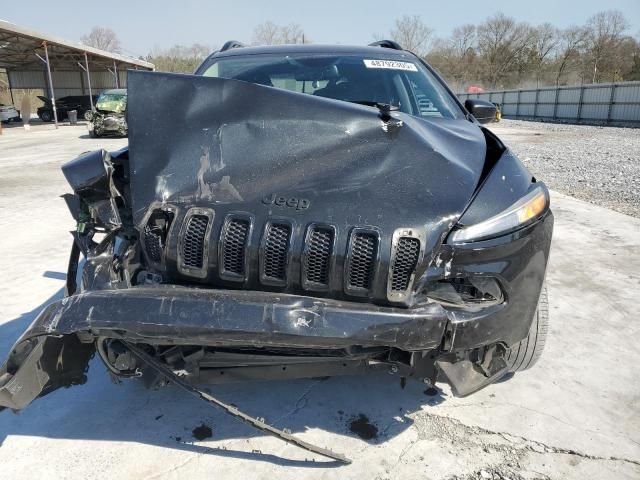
{"x":267,"y":280}
{"x":397,"y":295}
{"x":182,"y":268}
{"x":387,"y":44}
{"x":232,"y":44}
{"x":348,"y":265}
{"x":315,"y":286}
{"x":224,"y":274}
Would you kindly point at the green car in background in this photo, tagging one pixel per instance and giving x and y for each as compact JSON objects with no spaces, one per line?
{"x":109,"y":115}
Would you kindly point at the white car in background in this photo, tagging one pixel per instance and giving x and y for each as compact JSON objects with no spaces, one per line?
{"x":8,"y":113}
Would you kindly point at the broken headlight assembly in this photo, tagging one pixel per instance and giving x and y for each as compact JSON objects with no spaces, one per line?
{"x":523,"y":212}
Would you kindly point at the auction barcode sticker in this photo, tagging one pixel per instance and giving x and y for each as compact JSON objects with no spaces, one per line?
{"x":391,"y":65}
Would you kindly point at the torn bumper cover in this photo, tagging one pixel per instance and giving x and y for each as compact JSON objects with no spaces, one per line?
{"x":189,"y":316}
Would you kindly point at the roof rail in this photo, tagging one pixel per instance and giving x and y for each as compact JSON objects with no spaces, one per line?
{"x":386,"y":44}
{"x":231,"y":44}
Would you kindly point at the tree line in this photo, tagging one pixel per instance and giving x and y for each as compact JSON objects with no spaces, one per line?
{"x":498,"y":53}
{"x":503,"y":53}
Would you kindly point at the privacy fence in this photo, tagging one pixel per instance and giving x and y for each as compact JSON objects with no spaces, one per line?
{"x":600,"y":103}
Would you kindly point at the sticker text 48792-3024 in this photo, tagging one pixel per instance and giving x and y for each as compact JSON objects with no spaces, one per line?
{"x":391,"y":65}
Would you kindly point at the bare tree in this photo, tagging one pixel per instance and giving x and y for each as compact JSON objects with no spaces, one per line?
{"x":463,"y":39}
{"x":102,"y":38}
{"x":413,"y":34}
{"x":292,"y":33}
{"x":269,"y":33}
{"x":570,"y":45}
{"x":544,"y":41}
{"x":605,"y":31}
{"x":503,"y":43}
{"x":456,"y":56}
{"x":179,"y":58}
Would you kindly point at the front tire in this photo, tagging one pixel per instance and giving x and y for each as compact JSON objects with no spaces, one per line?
{"x":525,"y":354}
{"x":46,"y":116}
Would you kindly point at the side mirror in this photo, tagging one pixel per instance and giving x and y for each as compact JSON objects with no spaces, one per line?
{"x":483,"y":111}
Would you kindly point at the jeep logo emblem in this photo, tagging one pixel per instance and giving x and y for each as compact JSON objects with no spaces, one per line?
{"x":292,"y":202}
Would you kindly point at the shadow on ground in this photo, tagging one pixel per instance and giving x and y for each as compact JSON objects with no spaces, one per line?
{"x":373,"y":407}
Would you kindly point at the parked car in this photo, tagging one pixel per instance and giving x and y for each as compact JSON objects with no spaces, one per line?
{"x":110,"y":114}
{"x":8,"y":113}
{"x":79,"y":103}
{"x":297,"y":211}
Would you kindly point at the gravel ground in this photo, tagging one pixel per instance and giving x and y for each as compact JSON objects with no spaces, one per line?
{"x":600,"y":165}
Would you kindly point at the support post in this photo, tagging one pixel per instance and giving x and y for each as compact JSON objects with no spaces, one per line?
{"x":86,"y":65}
{"x":580,"y":103}
{"x":115,"y":73}
{"x":611,"y":99}
{"x":13,"y":102}
{"x":53,"y":98}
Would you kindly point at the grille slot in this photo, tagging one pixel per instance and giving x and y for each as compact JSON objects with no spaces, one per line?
{"x":404,"y":263}
{"x":153,"y":244}
{"x":155,"y":233}
{"x":236,"y":236}
{"x":193,"y":242}
{"x":362,"y":260}
{"x":317,"y":261}
{"x":276,"y":246}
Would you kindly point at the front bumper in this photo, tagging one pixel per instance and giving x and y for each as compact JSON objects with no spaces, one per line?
{"x":56,"y":348}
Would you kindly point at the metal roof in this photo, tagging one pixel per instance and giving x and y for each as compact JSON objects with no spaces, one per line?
{"x":19,"y":45}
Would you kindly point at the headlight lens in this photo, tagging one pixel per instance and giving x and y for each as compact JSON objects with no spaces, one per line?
{"x":524,"y":211}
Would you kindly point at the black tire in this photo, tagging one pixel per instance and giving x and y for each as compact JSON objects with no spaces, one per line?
{"x":525,"y":354}
{"x":46,"y":116}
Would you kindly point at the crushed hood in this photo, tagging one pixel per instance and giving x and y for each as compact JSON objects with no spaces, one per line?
{"x":229,"y":144}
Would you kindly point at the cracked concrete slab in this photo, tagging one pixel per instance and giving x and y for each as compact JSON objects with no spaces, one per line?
{"x":575,"y":415}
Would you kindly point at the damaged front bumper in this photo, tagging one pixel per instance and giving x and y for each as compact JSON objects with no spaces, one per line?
{"x":55,"y":350}
{"x":62,"y":338}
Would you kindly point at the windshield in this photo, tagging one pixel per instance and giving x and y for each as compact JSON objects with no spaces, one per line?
{"x":404,"y":84}
{"x":110,"y":102}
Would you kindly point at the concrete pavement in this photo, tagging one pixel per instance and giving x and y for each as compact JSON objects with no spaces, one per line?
{"x":575,"y":415}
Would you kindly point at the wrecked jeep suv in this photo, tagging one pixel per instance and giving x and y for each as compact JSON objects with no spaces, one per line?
{"x":110,"y":114}
{"x":296,"y":211}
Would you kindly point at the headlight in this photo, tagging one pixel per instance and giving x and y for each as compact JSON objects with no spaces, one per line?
{"x":524,"y":211}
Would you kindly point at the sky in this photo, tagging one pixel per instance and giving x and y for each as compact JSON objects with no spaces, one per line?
{"x":143,"y":26}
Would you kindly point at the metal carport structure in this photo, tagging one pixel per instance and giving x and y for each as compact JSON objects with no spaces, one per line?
{"x":33,"y":60}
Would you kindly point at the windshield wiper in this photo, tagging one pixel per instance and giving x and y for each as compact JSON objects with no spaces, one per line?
{"x":384,"y":107}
